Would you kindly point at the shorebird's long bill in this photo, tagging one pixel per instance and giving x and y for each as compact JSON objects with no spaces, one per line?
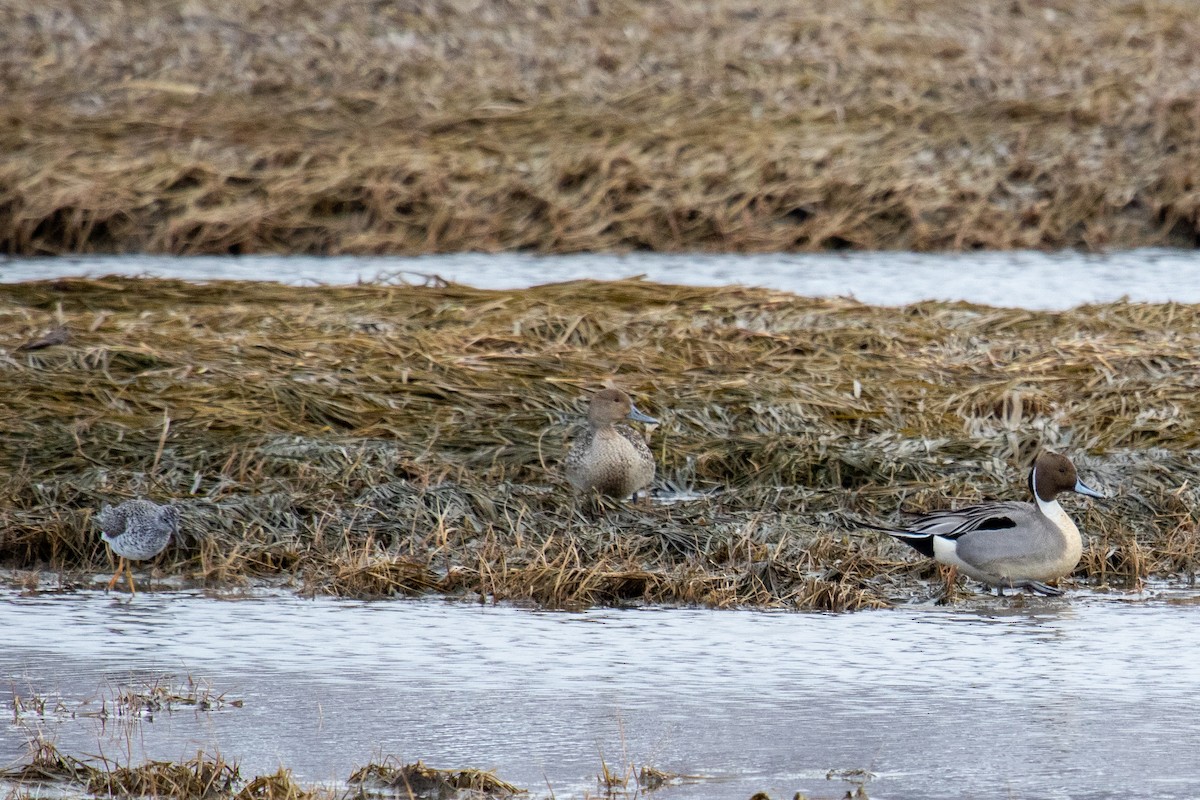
{"x":638,"y":416}
{"x":1084,"y":489}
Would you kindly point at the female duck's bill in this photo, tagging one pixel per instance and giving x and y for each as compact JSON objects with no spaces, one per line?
{"x":610,"y":458}
{"x":1010,"y":543}
{"x":638,"y":416}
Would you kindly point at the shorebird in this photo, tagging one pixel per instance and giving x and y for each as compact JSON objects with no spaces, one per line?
{"x":611,"y":458}
{"x":1008,"y":543}
{"x":136,"y":530}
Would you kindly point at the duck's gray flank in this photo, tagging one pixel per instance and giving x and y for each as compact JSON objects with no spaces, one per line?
{"x":610,"y":457}
{"x":1008,"y":543}
{"x":136,"y":530}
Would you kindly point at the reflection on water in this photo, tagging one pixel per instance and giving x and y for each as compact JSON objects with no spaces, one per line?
{"x":1024,"y":279}
{"x":1085,"y":697}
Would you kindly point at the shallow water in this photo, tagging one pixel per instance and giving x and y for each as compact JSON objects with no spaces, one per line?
{"x":1021,"y":278}
{"x":1088,"y":696}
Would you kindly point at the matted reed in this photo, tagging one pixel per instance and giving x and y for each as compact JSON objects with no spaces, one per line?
{"x":400,"y":439}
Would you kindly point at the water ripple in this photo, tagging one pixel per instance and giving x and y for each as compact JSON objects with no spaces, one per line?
{"x":1022,"y":279}
{"x":1081,"y":698}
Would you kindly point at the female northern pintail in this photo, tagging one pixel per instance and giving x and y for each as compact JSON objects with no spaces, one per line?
{"x":1008,"y":543}
{"x":137,"y":530}
{"x":611,"y":458}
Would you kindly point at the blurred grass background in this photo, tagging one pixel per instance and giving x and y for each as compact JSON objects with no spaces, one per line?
{"x":366,"y":126}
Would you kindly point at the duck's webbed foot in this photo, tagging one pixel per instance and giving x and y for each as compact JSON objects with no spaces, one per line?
{"x":1043,"y":589}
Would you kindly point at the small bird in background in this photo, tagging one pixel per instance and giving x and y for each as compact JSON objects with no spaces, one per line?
{"x":136,"y":530}
{"x":610,"y":457}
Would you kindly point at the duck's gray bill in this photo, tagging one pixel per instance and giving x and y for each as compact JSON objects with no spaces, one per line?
{"x":638,"y":416}
{"x":1084,"y":489}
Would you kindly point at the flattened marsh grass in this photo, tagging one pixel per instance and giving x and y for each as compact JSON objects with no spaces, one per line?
{"x":372,"y":441}
{"x":218,"y":126}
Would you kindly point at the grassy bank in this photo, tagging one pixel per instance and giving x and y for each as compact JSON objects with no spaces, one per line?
{"x":378,"y":440}
{"x":282,"y":125}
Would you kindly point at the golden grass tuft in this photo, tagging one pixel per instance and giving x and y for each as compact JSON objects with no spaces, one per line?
{"x":216,"y":126}
{"x":379,"y":577}
{"x":373,"y":441}
{"x":201,"y":777}
{"x":279,"y":786}
{"x":427,"y":783}
{"x":47,"y":764}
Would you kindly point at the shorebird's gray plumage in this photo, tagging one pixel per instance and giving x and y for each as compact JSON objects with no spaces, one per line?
{"x":610,"y":457}
{"x":1008,"y":543}
{"x":137,"y":530}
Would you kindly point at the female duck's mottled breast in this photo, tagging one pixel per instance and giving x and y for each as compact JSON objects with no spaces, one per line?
{"x":610,"y":457}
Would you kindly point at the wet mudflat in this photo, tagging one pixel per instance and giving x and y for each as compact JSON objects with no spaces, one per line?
{"x":1088,"y":696}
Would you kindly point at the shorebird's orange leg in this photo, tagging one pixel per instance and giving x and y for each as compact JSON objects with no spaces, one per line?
{"x":113,"y":580}
{"x":129,"y":573}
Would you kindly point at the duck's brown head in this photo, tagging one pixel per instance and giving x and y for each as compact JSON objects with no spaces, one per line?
{"x":610,"y":406}
{"x":1053,"y":473}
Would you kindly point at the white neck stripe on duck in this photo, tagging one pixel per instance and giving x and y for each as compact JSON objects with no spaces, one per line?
{"x":1048,"y":506}
{"x":1033,"y":484}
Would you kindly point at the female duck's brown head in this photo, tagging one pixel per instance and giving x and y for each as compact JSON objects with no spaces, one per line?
{"x":1053,"y":473}
{"x":610,"y":406}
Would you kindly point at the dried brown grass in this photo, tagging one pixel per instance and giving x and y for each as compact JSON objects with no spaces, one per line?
{"x":427,"y":783}
{"x":208,"y":777}
{"x":201,"y":778}
{"x":225,"y":126}
{"x":398,"y":440}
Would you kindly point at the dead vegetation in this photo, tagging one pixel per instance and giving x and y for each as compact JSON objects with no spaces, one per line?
{"x":202,"y":778}
{"x":166,"y":695}
{"x":427,"y":783}
{"x":373,"y":441}
{"x":210,"y":777}
{"x":142,"y":700}
{"x":222,"y":126}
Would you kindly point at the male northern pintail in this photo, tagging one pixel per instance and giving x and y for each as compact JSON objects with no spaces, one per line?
{"x":136,"y":530}
{"x":611,"y":458}
{"x":1009,"y":543}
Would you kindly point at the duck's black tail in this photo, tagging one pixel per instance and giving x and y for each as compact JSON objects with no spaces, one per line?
{"x":921,"y":542}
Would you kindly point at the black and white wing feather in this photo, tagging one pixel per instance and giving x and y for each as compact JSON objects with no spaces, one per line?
{"x":920,"y":531}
